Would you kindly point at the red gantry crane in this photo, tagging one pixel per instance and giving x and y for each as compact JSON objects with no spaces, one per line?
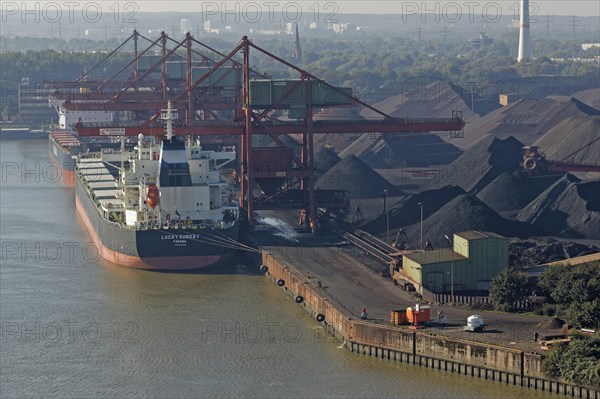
{"x":257,"y":108}
{"x":155,"y":79}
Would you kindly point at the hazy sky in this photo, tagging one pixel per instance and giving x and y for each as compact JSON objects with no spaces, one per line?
{"x":507,"y":7}
{"x":542,"y":7}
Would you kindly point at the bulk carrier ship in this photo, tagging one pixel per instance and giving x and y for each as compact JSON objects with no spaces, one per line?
{"x":64,"y":145}
{"x":162,"y":206}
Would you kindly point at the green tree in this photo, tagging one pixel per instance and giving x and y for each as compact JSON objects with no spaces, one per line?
{"x":547,"y":280}
{"x":578,"y":362}
{"x":575,"y":290}
{"x":508,"y":288}
{"x":584,"y":315}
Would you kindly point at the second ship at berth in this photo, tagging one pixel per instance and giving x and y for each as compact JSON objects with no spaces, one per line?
{"x":162,"y":206}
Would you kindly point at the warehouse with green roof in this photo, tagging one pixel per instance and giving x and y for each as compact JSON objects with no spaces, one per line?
{"x":469,"y":266}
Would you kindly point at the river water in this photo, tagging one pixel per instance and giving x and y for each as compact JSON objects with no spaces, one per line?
{"x":76,"y":326}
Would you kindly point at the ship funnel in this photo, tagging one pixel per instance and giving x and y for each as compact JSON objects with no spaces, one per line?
{"x":524,"y":35}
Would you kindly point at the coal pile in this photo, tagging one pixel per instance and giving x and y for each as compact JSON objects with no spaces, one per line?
{"x":480,"y":165}
{"x":353,"y":175}
{"x":527,"y":120}
{"x":395,"y":150}
{"x":434,"y":100}
{"x":466,"y":212}
{"x":590,"y":97}
{"x":569,"y":208}
{"x":530,"y":253}
{"x":513,"y":191}
{"x":325,"y":159}
{"x":408,"y":211}
{"x":571,"y":135}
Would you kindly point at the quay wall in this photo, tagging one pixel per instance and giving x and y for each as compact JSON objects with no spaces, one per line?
{"x":390,"y":342}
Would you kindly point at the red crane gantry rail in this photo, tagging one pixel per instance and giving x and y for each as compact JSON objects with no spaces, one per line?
{"x":564,"y":166}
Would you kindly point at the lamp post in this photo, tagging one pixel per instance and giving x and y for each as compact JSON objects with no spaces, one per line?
{"x":473,"y":96}
{"x":421,"y":205}
{"x":387,"y":215}
{"x":451,"y":270}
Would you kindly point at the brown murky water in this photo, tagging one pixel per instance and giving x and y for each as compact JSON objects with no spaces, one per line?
{"x":75,"y":326}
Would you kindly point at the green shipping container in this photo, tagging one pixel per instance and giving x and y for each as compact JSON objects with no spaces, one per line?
{"x":146,"y":61}
{"x":266,"y":93}
{"x":297,"y":112}
{"x":222,"y":77}
{"x":176,"y":70}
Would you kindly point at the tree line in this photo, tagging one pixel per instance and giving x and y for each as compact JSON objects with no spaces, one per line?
{"x":365,"y":64}
{"x":572,"y":293}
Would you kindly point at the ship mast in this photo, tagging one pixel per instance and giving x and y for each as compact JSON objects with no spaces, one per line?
{"x":168,"y":115}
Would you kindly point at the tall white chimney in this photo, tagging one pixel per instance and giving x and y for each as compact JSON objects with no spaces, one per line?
{"x":524,"y":35}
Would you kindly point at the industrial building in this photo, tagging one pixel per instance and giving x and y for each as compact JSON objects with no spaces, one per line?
{"x":34,"y":106}
{"x":475,"y":259}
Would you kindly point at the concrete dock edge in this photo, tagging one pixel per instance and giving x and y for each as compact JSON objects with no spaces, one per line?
{"x":437,"y":352}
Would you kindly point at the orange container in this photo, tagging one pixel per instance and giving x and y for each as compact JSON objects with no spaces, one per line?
{"x":420,"y":315}
{"x":398,"y":317}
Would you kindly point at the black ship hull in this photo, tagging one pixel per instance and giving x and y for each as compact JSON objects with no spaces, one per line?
{"x":155,"y":249}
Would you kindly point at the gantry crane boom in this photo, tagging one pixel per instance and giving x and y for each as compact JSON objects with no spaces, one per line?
{"x":248,"y":116}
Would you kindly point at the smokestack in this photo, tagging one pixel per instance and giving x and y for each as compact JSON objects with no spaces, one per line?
{"x":524,"y":36}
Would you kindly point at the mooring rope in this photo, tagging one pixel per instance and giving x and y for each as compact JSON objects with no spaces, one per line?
{"x":223,"y":241}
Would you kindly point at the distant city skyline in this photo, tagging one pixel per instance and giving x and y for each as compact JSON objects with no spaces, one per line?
{"x":506,"y":7}
{"x":545,"y":7}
